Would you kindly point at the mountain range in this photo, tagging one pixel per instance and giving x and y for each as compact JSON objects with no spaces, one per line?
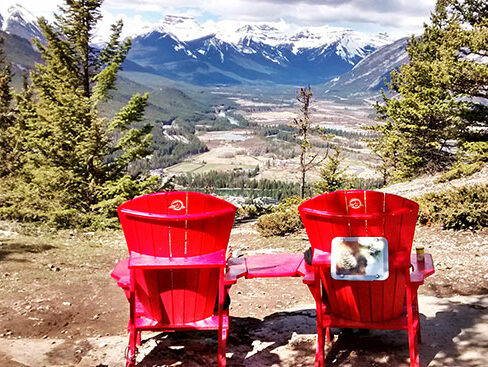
{"x":233,"y":53}
{"x":229,"y":53}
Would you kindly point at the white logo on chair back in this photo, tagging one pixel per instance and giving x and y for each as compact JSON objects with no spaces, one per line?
{"x":177,"y":205}
{"x":355,"y":203}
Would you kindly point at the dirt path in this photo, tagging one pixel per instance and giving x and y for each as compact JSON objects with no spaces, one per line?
{"x":60,"y":308}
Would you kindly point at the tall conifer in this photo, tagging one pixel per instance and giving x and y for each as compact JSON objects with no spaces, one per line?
{"x":7,"y":117}
{"x":435,"y":100}
{"x":77,"y":161}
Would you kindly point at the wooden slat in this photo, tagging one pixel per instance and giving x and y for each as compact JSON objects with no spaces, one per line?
{"x":193,"y":248}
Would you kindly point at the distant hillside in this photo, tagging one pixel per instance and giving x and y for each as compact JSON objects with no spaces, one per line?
{"x":367,"y":77}
{"x":173,"y":112}
{"x":20,"y":54}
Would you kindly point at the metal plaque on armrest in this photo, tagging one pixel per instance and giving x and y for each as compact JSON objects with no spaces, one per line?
{"x":359,"y":258}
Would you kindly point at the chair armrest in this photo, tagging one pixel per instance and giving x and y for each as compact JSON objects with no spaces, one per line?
{"x":121,"y":273}
{"x":421,"y":269}
{"x":320,"y":257}
{"x":212,"y":260}
{"x":236,"y":268}
{"x":307,"y":272}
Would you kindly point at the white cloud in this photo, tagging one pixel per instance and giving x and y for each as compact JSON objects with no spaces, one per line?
{"x":398,"y":17}
{"x":133,"y":24}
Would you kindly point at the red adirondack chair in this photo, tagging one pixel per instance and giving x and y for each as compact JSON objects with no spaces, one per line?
{"x":378,"y":304}
{"x":177,"y":246}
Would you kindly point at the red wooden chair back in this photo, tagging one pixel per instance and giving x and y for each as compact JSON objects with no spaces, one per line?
{"x":177,"y":224}
{"x":364,"y":214}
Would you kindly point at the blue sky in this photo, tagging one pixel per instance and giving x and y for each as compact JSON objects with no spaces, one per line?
{"x":397,"y":17}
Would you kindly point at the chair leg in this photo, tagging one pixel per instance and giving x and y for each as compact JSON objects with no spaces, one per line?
{"x":222,"y":338}
{"x":320,"y":352}
{"x":131,"y":352}
{"x":412,"y":330}
{"x":222,"y":346}
{"x":417,"y":316}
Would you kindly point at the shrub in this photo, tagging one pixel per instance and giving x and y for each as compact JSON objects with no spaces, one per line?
{"x":283,"y":219}
{"x":460,"y":170}
{"x":255,"y":209}
{"x":463,"y":208}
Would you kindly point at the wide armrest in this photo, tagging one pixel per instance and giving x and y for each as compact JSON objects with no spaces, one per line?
{"x":121,"y":273}
{"x":236,"y":268}
{"x":320,"y":257}
{"x":421,"y":269}
{"x":212,"y":260}
{"x":307,"y":272}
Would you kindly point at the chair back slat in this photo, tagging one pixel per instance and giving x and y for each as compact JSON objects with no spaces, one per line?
{"x":153,"y":225}
{"x":360,"y":213}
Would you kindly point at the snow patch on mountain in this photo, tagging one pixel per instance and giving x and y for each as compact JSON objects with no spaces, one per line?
{"x":19,"y":21}
{"x":184,"y":28}
{"x":350,"y":44}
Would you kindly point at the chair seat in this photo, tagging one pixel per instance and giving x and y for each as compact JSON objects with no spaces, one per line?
{"x":331,"y":320}
{"x":210,"y":323}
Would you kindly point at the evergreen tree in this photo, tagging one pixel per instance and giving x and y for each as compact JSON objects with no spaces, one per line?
{"x":7,"y":118}
{"x":332,"y":177}
{"x":436,"y":95}
{"x":76,"y":162}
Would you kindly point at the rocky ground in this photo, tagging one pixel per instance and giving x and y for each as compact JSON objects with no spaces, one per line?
{"x":59,"y":307}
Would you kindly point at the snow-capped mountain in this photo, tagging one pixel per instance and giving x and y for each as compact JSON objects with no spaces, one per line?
{"x":368,"y":76}
{"x":230,"y":52}
{"x":18,"y":21}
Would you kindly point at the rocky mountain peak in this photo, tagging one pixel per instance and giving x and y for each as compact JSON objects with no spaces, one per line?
{"x":19,"y":21}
